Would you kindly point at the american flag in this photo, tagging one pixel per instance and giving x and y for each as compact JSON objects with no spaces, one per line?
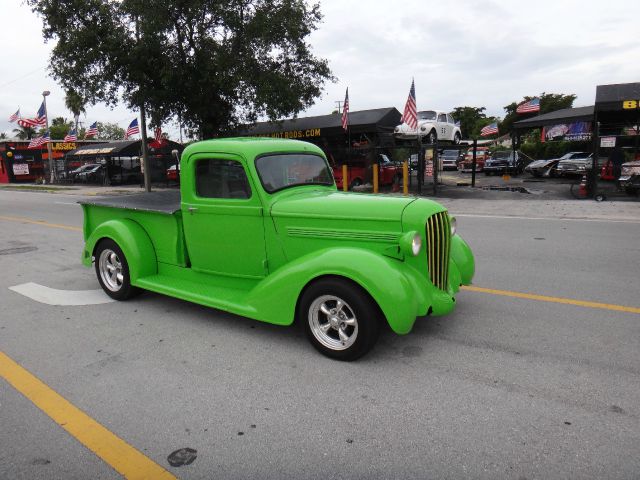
{"x":157,"y":133}
{"x":92,"y":131}
{"x":71,"y":136}
{"x":410,"y":116}
{"x":39,"y":141}
{"x":491,"y":129}
{"x":132,"y":129}
{"x":39,"y":121}
{"x":532,"y":105}
{"x":345,"y":111}
{"x":15,"y":116}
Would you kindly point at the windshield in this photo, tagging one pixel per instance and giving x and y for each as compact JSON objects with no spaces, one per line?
{"x":450,"y":154}
{"x":580,"y":155}
{"x":502,"y":155}
{"x":287,"y":170}
{"x":428,"y":115}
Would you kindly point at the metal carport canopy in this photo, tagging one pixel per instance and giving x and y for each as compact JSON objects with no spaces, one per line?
{"x":566,"y":115}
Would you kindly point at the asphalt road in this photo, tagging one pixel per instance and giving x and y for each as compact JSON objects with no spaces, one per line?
{"x":502,"y":388}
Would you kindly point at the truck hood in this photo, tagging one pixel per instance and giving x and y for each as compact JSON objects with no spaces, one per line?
{"x":341,"y":206}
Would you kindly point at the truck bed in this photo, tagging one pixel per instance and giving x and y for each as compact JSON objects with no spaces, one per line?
{"x":167,"y":201}
{"x":158,"y":213}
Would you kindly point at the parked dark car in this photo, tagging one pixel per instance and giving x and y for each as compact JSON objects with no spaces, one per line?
{"x":505,"y":162}
{"x":95,"y":174}
{"x":73,"y":174}
{"x":451,"y":158}
{"x":123,"y":175}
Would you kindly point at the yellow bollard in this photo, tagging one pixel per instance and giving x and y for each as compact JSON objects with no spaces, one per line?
{"x":405,"y":177}
{"x":375,"y":178}
{"x":345,"y":180}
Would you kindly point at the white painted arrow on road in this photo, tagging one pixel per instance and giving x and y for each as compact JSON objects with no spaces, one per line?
{"x":53,"y":296}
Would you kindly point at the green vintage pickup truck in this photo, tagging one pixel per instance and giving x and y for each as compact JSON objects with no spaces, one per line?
{"x":259,"y":229}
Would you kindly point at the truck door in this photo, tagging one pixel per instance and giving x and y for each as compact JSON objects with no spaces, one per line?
{"x":223,"y":218}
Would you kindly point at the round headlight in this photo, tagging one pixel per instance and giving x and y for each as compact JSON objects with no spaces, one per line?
{"x":423,"y":128}
{"x":453,"y":222}
{"x":416,"y":244}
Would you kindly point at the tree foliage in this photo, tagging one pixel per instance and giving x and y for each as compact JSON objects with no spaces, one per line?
{"x":472,"y":119}
{"x":216,"y":63}
{"x":58,"y":128}
{"x":549,"y":102}
{"x":24,"y":133}
{"x":109,"y":131}
{"x":75,"y":103}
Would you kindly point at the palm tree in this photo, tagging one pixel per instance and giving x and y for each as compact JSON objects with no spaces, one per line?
{"x":3,"y":136}
{"x":75,"y":103}
{"x":24,"y":133}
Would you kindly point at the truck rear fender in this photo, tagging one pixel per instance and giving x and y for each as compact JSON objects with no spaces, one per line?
{"x":134,"y":242}
{"x":390,"y":282}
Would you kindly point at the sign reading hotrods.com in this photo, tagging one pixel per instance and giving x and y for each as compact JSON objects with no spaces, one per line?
{"x":294,"y":134}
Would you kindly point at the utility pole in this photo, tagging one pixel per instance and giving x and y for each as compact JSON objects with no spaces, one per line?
{"x":339,"y":105}
{"x":52,"y":168}
{"x":145,"y":152}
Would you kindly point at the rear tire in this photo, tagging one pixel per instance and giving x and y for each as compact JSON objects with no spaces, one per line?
{"x":339,"y":318}
{"x":112,"y":270}
{"x":456,"y":139}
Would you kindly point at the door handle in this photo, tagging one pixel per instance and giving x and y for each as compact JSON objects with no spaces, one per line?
{"x":192,"y":209}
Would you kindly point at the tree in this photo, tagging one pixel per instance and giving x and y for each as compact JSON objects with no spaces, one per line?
{"x":3,"y":135}
{"x":549,"y":102}
{"x":469,"y":118}
{"x":75,"y":103}
{"x":217,"y":64}
{"x":24,"y":133}
{"x":110,"y":131}
{"x":59,"y":127}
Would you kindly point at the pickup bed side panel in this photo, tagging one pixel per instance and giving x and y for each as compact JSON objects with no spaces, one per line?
{"x":134,"y":242}
{"x":390,"y":283}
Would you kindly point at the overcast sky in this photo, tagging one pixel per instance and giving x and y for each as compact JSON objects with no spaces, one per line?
{"x":479,"y":53}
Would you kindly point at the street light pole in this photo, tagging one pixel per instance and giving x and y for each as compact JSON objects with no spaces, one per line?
{"x":52,"y":170}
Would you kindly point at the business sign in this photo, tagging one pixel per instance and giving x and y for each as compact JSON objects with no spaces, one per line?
{"x":21,"y":169}
{"x":607,"y":142}
{"x":573,"y":132}
{"x":630,"y":104}
{"x":309,"y":133}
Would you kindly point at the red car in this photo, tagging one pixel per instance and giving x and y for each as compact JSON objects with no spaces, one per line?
{"x":482,"y":153}
{"x":356,"y":172}
{"x":172,"y":173}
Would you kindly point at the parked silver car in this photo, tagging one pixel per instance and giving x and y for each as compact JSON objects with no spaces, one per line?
{"x":574,"y":163}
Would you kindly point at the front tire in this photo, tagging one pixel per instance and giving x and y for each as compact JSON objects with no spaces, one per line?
{"x":457,"y":138}
{"x":112,"y":271}
{"x":339,"y":318}
{"x":432,"y":137}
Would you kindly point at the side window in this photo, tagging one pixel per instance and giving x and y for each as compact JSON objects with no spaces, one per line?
{"x":442,"y":118}
{"x":450,"y":119}
{"x":221,"y":179}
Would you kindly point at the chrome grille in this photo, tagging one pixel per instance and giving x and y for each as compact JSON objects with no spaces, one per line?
{"x":438,"y":234}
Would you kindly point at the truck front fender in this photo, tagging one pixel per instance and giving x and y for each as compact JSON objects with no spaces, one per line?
{"x":462,"y":256}
{"x":390,"y":282}
{"x":134,"y":242}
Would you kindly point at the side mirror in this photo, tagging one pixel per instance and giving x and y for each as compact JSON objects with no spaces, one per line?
{"x":174,"y":154}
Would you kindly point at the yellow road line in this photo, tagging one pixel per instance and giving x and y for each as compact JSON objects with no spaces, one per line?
{"x":505,"y":293}
{"x":121,"y":456}
{"x":544,"y":298}
{"x":39,"y":222}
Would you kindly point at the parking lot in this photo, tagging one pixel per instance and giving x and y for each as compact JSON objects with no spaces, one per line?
{"x":535,"y":374}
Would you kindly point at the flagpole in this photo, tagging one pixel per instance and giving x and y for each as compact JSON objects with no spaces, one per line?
{"x":52,"y":170}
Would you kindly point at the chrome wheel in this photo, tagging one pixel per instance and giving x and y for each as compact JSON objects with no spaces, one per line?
{"x":110,"y":268}
{"x":333,"y":322}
